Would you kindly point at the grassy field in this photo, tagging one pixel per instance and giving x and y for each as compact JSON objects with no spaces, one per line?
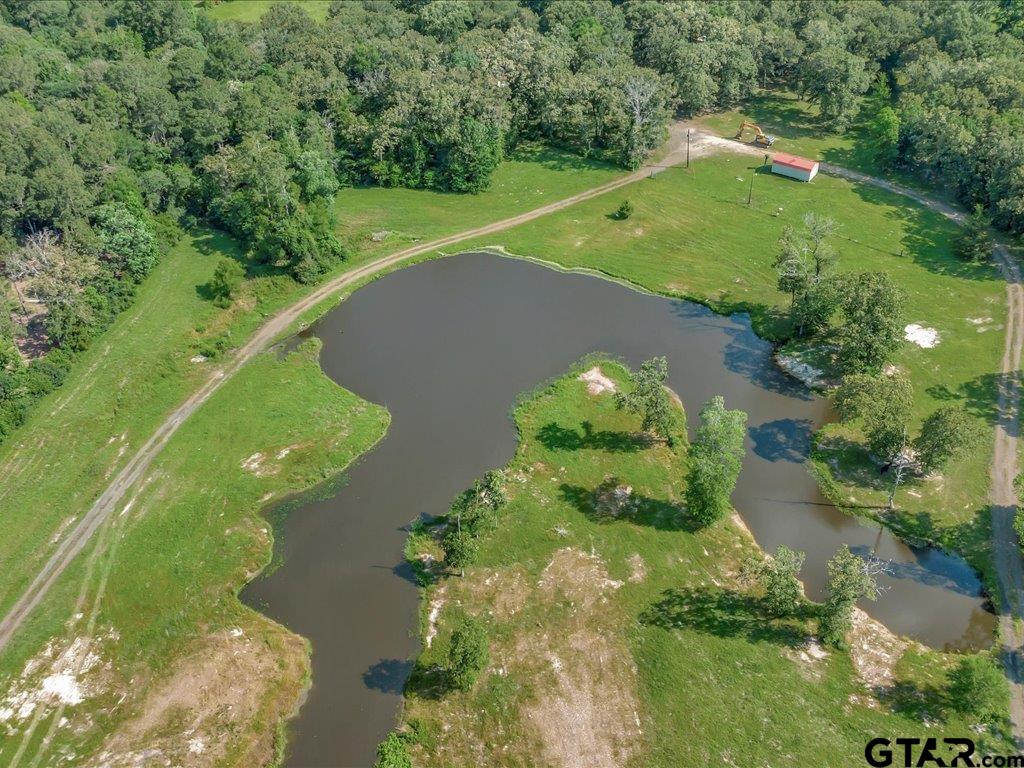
{"x":692,"y":235}
{"x":531,"y":177}
{"x":252,"y":10}
{"x":169,"y":592}
{"x":619,"y":634}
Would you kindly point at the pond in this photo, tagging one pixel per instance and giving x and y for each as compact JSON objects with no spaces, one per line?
{"x":447,"y":346}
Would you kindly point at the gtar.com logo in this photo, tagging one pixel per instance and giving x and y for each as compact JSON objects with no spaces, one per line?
{"x":911,"y":752}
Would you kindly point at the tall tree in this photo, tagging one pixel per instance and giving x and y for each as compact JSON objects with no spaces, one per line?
{"x":716,"y":457}
{"x":873,"y":321}
{"x":649,"y":398}
{"x":849,"y":579}
{"x":974,"y":243}
{"x":779,"y":576}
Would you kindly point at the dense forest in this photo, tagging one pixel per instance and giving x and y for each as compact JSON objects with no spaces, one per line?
{"x":126,"y":122}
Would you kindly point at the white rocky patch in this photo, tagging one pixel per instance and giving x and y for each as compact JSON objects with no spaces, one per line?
{"x":922,"y":336}
{"x":53,"y":677}
{"x":597,"y":383}
{"x":805,"y":372}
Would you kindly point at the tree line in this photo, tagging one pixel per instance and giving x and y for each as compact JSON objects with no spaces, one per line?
{"x":126,"y":121}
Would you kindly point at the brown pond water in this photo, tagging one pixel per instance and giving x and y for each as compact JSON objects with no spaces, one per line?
{"x":447,"y":346}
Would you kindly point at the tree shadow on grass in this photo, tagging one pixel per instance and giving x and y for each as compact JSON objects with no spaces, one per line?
{"x":918,"y":702}
{"x":638,"y":509}
{"x":724,"y":613}
{"x":977,"y":396}
{"x":558,"y":438}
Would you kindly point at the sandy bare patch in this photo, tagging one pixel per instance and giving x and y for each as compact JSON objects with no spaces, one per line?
{"x":597,"y":383}
{"x":63,"y":673}
{"x":588,"y":718}
{"x":874,"y":651}
{"x":576,"y":576}
{"x":584,"y":712}
{"x":637,"y":568}
{"x":809,"y":657}
{"x":922,"y":336}
{"x":254,"y":463}
{"x":228,"y":694}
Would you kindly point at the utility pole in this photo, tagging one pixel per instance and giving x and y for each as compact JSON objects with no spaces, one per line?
{"x":750,"y":192}
{"x":687,"y":147}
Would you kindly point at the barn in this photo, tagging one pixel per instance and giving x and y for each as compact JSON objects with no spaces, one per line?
{"x":795,"y":167}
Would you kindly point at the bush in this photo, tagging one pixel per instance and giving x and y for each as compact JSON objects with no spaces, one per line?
{"x":391,"y":753}
{"x":978,"y":688}
{"x":459,"y":548}
{"x":974,"y":243}
{"x":468,"y":653}
{"x":227,"y":277}
{"x":625,"y":210}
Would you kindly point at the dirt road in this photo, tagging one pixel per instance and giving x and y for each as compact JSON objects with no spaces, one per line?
{"x":1002,"y":496}
{"x":672,"y":153}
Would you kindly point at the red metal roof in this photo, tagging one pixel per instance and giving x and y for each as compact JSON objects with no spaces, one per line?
{"x":794,"y":162}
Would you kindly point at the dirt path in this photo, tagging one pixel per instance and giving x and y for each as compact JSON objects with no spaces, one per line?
{"x":673,"y":153}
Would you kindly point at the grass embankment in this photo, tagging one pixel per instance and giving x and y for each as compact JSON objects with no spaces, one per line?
{"x":619,"y":634}
{"x":171,"y":586}
{"x":692,"y":235}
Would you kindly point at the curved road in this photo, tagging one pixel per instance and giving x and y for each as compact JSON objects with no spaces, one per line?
{"x":76,"y":539}
{"x":1008,"y":559}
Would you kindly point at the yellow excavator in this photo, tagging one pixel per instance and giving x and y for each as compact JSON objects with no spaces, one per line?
{"x":761,"y":138}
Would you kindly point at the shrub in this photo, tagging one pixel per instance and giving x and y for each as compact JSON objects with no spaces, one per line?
{"x":468,"y":653}
{"x":391,"y":753}
{"x":978,"y":688}
{"x":625,"y":210}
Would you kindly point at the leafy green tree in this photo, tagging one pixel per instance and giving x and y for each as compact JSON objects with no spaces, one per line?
{"x":849,"y":579}
{"x":974,"y":244}
{"x":716,"y":457}
{"x":884,"y":136}
{"x":649,"y":398}
{"x":491,"y":489}
{"x":468,"y":653}
{"x":978,"y":688}
{"x":946,"y":433}
{"x":778,"y":575}
{"x":881,"y":405}
{"x":126,"y":240}
{"x":460,"y":548}
{"x":804,"y":267}
{"x":227,"y":277}
{"x":873,"y":329}
{"x":392,"y":753}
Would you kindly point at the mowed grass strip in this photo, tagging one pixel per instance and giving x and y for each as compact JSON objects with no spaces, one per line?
{"x":622,"y":632}
{"x":693,"y":235}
